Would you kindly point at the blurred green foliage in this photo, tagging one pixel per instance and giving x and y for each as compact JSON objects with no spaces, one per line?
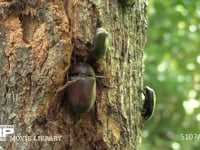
{"x":172,"y":69}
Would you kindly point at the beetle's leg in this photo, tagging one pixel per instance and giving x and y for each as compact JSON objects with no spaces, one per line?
{"x":75,"y":118}
{"x":60,"y":89}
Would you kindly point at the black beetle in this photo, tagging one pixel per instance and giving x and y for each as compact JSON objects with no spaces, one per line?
{"x":149,"y":103}
{"x":127,"y":3}
{"x":81,"y":90}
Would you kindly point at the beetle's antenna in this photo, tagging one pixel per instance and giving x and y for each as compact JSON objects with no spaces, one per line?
{"x":99,"y":76}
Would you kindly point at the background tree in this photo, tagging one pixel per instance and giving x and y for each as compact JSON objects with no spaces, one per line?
{"x":172,"y":61}
{"x":38,"y":42}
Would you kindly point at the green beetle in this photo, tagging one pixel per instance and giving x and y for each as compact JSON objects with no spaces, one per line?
{"x":81,"y":92}
{"x":100,"y":44}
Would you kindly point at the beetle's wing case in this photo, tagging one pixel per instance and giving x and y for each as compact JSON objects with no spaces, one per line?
{"x":81,"y":94}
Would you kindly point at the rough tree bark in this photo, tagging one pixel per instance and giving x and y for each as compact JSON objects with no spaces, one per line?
{"x":38,"y":41}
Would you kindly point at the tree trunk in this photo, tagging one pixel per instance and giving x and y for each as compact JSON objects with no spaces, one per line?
{"x":38,"y":42}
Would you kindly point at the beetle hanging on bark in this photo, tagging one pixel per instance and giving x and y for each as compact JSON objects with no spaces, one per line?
{"x":149,"y":103}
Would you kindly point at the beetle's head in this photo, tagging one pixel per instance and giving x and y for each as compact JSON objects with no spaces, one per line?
{"x":82,"y":68}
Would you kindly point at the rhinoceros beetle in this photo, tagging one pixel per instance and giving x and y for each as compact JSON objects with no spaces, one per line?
{"x":81,"y":92}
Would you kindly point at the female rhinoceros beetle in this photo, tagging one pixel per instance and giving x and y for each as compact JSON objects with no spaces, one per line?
{"x":81,"y":92}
